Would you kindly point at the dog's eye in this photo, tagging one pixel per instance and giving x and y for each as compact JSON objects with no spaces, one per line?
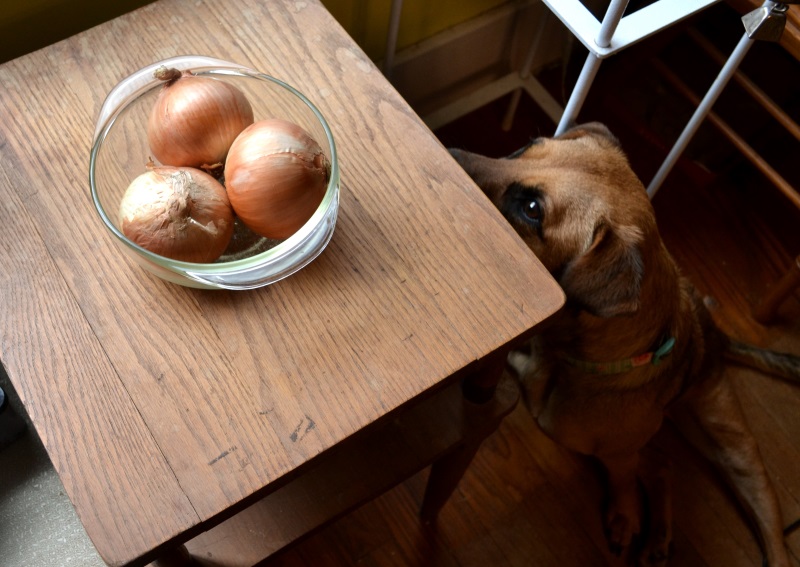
{"x":523,"y":205}
{"x":533,"y":211}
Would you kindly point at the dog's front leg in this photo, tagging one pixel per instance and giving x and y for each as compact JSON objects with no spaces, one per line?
{"x":655,"y":472}
{"x":532,"y":372}
{"x":624,"y":510}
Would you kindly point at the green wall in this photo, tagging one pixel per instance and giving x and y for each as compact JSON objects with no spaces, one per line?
{"x":27,"y":25}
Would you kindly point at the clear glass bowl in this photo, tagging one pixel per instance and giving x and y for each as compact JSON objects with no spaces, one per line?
{"x":120,"y":153}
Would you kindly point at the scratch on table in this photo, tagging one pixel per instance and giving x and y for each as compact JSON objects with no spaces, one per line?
{"x":222,"y":455}
{"x":299,"y":431}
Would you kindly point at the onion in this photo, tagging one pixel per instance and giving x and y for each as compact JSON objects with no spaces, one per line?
{"x":195,"y":119}
{"x":276,"y":175}
{"x":178,"y":212}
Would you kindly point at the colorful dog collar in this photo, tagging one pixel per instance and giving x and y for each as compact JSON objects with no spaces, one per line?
{"x":620,"y":366}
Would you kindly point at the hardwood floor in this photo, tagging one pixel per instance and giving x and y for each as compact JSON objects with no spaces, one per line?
{"x":526,"y":501}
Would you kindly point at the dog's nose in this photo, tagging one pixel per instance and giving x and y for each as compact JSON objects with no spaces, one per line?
{"x":464,"y":159}
{"x":479,"y":168}
{"x":457,"y":154}
{"x":471,"y":163}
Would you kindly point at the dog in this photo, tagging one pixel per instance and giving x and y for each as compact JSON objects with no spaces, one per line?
{"x":635,"y":343}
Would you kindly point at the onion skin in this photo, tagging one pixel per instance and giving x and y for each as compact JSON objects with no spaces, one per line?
{"x":276,"y":175}
{"x":195,"y":119}
{"x":177,"y":212}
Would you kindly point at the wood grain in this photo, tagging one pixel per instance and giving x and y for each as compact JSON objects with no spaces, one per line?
{"x":68,"y":384}
{"x":207,"y":401}
{"x":358,"y":471}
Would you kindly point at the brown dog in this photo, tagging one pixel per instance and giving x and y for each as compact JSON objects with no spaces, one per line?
{"x":634,"y":344}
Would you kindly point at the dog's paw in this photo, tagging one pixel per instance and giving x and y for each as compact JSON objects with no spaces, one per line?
{"x":623,"y":517}
{"x":655,"y":474}
{"x":521,"y":363}
{"x":656,"y":551}
{"x":621,"y":527}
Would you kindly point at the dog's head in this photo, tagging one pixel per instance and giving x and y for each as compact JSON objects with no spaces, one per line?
{"x":576,"y":202}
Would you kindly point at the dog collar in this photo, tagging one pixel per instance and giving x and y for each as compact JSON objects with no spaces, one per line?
{"x":620,"y":366}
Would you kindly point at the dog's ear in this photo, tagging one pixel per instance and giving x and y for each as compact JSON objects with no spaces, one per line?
{"x":606,"y":279}
{"x":593,"y":129}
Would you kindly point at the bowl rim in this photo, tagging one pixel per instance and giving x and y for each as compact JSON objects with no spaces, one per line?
{"x":128,"y":91}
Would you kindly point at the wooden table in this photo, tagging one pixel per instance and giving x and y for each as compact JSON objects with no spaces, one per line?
{"x":167,"y":410}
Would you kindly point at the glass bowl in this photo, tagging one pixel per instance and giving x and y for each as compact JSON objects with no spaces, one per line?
{"x":120,"y":153}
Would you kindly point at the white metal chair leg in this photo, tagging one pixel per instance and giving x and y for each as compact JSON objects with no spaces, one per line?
{"x":578,"y":96}
{"x":728,"y":71}
{"x":701,"y":112}
{"x":579,"y":92}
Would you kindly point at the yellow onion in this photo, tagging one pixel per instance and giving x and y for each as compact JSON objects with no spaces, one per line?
{"x":177,"y":212}
{"x":276,"y":175}
{"x":195,"y":119}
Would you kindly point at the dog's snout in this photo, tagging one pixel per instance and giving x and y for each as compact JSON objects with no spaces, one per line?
{"x":468,"y":162}
{"x":459,"y":155}
{"x":480,"y":168}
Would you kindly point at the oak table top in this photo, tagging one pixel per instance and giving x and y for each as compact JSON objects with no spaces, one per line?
{"x":165,"y":408}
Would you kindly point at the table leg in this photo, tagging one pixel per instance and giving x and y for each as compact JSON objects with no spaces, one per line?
{"x":489,"y":395}
{"x":176,"y":557}
{"x":12,"y":426}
